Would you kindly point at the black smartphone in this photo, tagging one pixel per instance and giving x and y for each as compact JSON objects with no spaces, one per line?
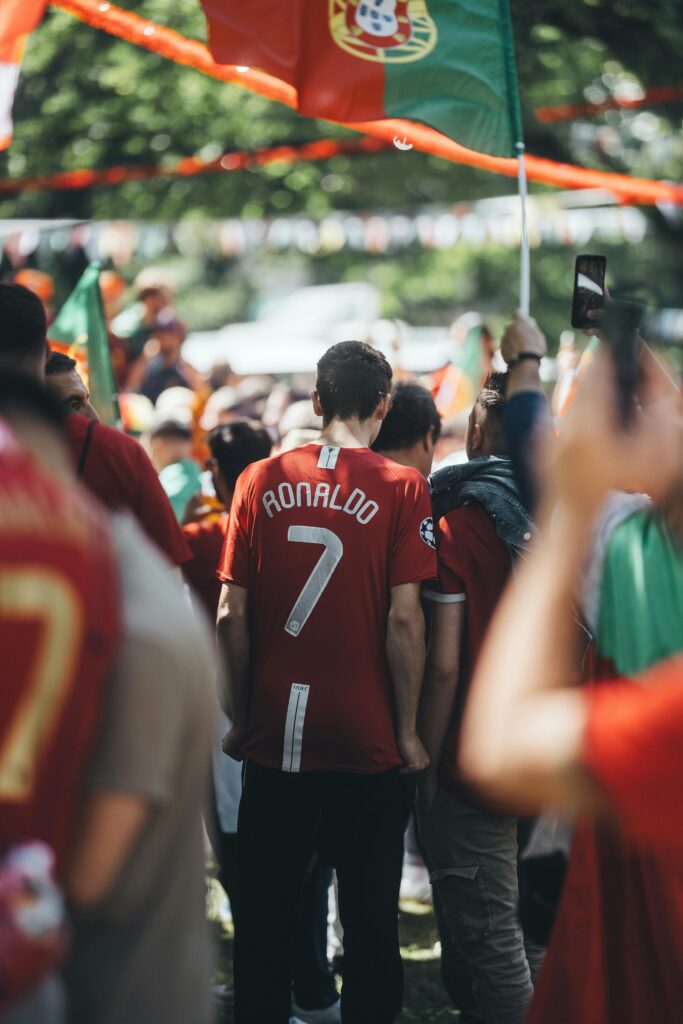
{"x":589,"y":289}
{"x":619,"y":327}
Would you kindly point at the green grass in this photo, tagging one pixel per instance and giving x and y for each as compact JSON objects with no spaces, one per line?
{"x":424,"y":1002}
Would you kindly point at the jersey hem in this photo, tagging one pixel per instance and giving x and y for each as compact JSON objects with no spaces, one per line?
{"x":267,"y":763}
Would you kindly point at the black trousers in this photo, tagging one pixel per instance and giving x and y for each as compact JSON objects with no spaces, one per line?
{"x":312,"y":974}
{"x":359,"y":821}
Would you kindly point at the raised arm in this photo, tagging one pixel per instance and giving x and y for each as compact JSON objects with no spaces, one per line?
{"x":526,"y":413}
{"x":524,"y":725}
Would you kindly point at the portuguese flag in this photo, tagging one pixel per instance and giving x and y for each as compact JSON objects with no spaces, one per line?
{"x":447,"y":63}
{"x":80,"y":330}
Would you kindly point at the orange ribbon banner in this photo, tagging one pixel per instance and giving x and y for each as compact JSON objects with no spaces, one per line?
{"x":189,"y":166}
{"x":134,"y":29}
{"x":571,"y":111}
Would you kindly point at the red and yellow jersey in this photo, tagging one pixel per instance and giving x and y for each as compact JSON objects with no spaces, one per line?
{"x":59,"y":612}
{"x":319,"y":536}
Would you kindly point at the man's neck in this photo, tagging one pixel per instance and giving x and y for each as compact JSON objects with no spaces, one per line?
{"x":353,"y":433}
{"x":403,"y":456}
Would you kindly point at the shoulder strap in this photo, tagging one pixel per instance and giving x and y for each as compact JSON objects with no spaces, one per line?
{"x":86,"y":449}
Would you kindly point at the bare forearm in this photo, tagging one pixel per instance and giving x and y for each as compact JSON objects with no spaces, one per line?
{"x":110,"y":826}
{"x":436,"y":709}
{"x":405,"y":655}
{"x":233,"y":641}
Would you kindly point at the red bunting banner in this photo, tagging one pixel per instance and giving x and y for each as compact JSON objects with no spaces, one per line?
{"x":142,"y":32}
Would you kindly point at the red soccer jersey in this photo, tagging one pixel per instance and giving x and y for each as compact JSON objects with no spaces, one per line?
{"x":59,"y":608}
{"x":116,"y":470}
{"x":319,"y":536}
{"x":205,"y":540}
{"x":474,"y":567}
{"x":634,"y":748}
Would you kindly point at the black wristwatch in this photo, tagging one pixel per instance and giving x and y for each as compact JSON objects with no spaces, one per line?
{"x":517,"y":358}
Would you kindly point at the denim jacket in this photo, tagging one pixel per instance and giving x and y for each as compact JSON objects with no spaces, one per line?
{"x":490,"y":482}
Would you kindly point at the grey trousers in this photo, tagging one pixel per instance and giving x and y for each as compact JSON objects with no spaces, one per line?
{"x":472,"y":860}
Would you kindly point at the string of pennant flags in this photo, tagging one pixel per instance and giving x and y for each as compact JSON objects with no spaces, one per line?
{"x":555,"y":219}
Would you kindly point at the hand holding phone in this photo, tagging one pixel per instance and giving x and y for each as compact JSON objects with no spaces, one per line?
{"x":589,"y":289}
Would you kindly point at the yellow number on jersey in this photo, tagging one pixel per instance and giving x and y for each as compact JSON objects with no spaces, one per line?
{"x":36,"y":594}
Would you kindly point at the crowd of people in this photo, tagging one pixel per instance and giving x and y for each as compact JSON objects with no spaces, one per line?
{"x":295,"y":626}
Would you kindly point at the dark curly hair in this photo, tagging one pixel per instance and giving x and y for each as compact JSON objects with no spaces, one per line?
{"x":413,"y":414}
{"x":352,"y":376}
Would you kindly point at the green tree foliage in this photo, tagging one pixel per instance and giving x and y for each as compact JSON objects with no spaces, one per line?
{"x":89,"y":100}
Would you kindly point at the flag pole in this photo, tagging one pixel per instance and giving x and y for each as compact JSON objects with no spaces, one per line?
{"x":524,"y":267}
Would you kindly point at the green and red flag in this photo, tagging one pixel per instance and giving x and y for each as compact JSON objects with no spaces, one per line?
{"x":449,"y":64}
{"x":18,"y":18}
{"x":80,"y":330}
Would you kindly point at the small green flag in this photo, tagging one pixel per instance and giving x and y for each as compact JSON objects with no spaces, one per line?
{"x":81,"y":325}
{"x":471,"y":360}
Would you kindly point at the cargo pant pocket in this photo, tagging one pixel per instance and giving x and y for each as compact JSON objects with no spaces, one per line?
{"x":465,"y":901}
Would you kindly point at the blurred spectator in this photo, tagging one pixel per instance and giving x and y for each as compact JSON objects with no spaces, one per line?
{"x":135,"y":322}
{"x":253,"y":393}
{"x":140,"y":950}
{"x":59,"y":595}
{"x":279,"y":400}
{"x":170,"y":445}
{"x":161,"y":366}
{"x":221,"y":407}
{"x":177,"y":403}
{"x":112,"y":289}
{"x":411,"y":428}
{"x":616,"y":953}
{"x":65,"y":383}
{"x":114,"y":467}
{"x":220,"y":376}
{"x":137,"y":413}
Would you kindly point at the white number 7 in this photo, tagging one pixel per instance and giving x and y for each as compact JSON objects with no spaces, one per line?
{"x":319,"y":578}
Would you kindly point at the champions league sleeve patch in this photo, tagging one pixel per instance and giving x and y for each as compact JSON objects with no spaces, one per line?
{"x":427,"y":532}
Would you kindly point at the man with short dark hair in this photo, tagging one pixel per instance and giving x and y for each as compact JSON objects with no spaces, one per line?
{"x":471,"y":851}
{"x":411,"y":428}
{"x":321,"y":626}
{"x":112,"y":466}
{"x":233,"y":447}
{"x":65,"y":383}
{"x":23,"y":331}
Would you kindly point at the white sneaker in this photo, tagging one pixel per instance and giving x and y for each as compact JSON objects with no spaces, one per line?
{"x":330,"y":1015}
{"x":415,"y":884}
